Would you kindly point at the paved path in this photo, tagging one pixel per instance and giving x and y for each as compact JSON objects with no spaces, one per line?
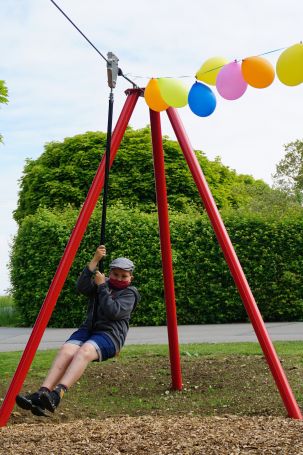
{"x":15,"y":339}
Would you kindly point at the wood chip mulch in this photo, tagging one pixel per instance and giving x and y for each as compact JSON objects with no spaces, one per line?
{"x":228,"y":435}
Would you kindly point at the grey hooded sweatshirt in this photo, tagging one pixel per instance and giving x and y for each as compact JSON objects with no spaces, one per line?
{"x":109,"y":310}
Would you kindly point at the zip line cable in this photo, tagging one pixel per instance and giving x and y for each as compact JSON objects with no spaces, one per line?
{"x":120,"y":72}
{"x":77,"y":28}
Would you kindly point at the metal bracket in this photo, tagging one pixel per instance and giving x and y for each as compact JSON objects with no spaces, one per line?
{"x":112,"y":69}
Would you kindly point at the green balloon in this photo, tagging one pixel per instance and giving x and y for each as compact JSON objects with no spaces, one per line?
{"x":173,"y":92}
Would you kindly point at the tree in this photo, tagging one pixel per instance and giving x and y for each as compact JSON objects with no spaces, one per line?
{"x":289,"y":171}
{"x":3,"y":98}
{"x":63,"y":173}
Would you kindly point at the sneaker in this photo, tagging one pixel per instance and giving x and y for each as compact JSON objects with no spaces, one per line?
{"x":50,"y":400}
{"x":31,"y":402}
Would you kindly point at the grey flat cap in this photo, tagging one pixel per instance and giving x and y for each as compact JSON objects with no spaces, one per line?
{"x":122,"y":263}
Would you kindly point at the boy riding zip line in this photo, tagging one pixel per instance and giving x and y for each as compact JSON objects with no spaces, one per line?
{"x":101,"y":336}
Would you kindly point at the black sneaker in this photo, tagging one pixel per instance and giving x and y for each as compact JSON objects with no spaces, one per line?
{"x":31,"y":402}
{"x":50,"y":400}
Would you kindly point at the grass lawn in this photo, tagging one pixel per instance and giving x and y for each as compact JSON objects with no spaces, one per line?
{"x":218,"y":379}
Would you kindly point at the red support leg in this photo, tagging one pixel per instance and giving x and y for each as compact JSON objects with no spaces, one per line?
{"x":235,"y":268}
{"x":66,"y":261}
{"x":166,"y":250}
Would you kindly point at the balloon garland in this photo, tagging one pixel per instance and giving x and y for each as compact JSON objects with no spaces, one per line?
{"x":231,"y":80}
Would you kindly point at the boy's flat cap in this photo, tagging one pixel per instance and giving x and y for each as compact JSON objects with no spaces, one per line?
{"x":122,"y":263}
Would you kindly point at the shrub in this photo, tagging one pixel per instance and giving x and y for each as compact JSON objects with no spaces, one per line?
{"x":270,"y":253}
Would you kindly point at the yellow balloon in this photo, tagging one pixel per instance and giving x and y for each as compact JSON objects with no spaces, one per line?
{"x":173,"y":91}
{"x":210,"y":69}
{"x":290,"y":65}
{"x":153,"y":97}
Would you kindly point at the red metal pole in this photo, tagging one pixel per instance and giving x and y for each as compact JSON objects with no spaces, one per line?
{"x":235,"y":268}
{"x":66,"y":261}
{"x":167,"y":267}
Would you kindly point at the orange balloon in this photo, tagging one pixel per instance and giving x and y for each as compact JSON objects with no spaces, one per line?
{"x":257,"y":72}
{"x":153,"y":97}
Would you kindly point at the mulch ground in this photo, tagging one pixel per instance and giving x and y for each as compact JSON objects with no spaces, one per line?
{"x":148,"y":435}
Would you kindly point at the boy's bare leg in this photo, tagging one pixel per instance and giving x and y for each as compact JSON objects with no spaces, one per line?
{"x":86,"y":354}
{"x":60,"y":364}
{"x":68,"y":367}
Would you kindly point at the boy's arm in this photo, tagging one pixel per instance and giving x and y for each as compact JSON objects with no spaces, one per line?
{"x":100,"y":253}
{"x":85,"y":283}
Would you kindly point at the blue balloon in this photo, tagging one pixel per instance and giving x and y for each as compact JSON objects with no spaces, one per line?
{"x":201,"y":100}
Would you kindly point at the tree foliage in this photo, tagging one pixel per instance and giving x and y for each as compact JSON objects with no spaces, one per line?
{"x":3,"y":93}
{"x":289,"y":171}
{"x":62,"y":175}
{"x":269,"y":203}
{"x":3,"y":98}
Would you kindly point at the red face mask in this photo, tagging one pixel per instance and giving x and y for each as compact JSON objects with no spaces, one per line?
{"x":118,"y":284}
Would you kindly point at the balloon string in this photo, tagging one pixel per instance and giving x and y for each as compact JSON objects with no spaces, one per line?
{"x":158,"y":77}
{"x":241,"y":59}
{"x":270,"y":52}
{"x":204,"y":72}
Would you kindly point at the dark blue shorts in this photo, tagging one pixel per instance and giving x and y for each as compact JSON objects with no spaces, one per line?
{"x":102,"y":342}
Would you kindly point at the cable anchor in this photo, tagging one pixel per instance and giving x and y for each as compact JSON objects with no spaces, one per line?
{"x":112,"y":69}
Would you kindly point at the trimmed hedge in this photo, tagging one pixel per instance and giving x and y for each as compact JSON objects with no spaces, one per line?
{"x":271,"y":254}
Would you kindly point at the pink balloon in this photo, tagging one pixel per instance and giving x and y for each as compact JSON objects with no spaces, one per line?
{"x":230,"y":83}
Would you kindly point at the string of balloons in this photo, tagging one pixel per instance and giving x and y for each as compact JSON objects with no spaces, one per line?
{"x":231,"y":80}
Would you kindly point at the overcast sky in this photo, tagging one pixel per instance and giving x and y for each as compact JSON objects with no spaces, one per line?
{"x":58,"y":87}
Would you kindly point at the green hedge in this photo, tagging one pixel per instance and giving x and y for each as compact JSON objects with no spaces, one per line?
{"x":270,"y":253}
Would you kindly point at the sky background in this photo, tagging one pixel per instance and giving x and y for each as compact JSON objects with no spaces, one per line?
{"x":58,"y":84}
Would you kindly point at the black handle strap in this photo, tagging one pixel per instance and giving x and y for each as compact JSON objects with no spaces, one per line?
{"x":106,"y":177}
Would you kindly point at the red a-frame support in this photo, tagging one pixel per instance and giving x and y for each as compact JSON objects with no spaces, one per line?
{"x":222,"y":236}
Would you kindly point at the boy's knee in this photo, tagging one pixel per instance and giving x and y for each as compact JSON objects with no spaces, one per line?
{"x":69,"y":349}
{"x":88,"y":352}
